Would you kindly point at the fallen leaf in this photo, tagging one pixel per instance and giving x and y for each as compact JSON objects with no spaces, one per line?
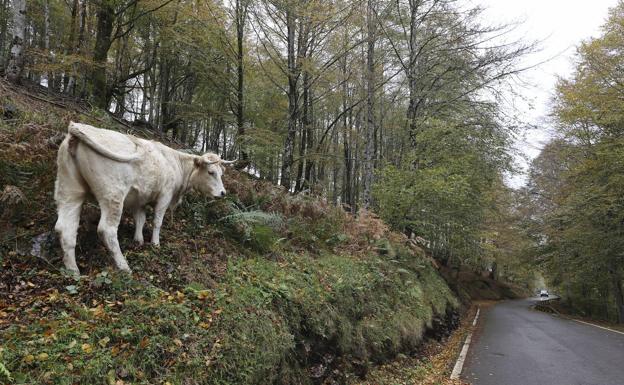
{"x":103,"y":342}
{"x":144,"y":342}
{"x":203,"y":294}
{"x":87,"y":348}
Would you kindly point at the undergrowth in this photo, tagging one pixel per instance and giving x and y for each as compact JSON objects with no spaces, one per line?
{"x":259,"y":288}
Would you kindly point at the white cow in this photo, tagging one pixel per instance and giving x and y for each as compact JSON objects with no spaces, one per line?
{"x":122,"y":171}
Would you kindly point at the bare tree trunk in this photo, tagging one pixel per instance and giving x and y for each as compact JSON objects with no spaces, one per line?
{"x":336,"y":170}
{"x":71,"y":44}
{"x":15,"y":64}
{"x":80,"y":46}
{"x":46,"y":37}
{"x":302,"y":152}
{"x":4,"y":25}
{"x":293,"y":109}
{"x":308,"y":123}
{"x":369,"y":134}
{"x":241,"y":17}
{"x":306,"y":141}
{"x":412,"y":109}
{"x":105,"y":19}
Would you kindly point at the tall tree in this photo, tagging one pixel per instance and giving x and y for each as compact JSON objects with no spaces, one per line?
{"x":369,"y":136}
{"x":15,"y":63}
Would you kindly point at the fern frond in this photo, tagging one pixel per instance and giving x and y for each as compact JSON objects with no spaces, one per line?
{"x":4,"y":372}
{"x":252,"y":217}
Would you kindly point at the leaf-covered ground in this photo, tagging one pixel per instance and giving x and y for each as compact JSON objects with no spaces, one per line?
{"x":431,"y":367}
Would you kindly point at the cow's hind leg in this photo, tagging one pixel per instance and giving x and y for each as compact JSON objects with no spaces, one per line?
{"x":67,"y":228}
{"x":107,"y":230}
{"x":159,"y":215}
{"x":139,"y":222}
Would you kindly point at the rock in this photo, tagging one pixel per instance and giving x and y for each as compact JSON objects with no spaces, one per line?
{"x":11,"y":196}
{"x":41,"y":244}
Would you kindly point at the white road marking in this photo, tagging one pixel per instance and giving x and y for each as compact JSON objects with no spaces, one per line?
{"x":459,"y":365}
{"x":583,"y":322}
{"x":474,"y":322}
{"x":598,"y":326}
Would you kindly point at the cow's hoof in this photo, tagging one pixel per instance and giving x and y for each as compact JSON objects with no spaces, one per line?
{"x":74,"y":273}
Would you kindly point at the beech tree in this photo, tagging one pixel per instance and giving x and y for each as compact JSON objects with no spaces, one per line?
{"x":15,"y":63}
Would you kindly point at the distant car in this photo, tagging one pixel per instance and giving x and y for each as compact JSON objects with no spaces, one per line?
{"x":543,"y":293}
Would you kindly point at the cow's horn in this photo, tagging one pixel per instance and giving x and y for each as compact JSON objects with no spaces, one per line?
{"x":228,"y":161}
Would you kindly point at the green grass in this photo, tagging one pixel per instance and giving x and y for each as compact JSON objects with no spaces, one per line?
{"x":265,"y":322}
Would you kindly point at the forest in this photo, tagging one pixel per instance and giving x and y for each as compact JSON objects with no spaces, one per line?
{"x":574,"y":195}
{"x":389,"y":106}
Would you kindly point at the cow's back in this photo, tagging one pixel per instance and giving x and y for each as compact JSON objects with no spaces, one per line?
{"x":139,"y":182}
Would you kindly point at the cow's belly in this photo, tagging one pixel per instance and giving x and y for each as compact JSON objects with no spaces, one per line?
{"x":135,"y":199}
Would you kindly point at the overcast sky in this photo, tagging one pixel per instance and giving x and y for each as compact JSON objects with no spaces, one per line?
{"x":560,"y":25}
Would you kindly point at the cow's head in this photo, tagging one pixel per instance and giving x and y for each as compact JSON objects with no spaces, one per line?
{"x":206,"y":176}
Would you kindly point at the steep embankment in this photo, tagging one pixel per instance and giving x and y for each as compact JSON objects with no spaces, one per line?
{"x":259,"y":288}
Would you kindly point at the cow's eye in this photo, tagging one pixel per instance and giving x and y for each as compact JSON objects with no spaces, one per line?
{"x":211,"y":172}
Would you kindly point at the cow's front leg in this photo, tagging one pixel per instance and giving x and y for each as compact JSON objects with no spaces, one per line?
{"x":139,"y":222}
{"x":159,"y":214}
{"x":107,"y":230}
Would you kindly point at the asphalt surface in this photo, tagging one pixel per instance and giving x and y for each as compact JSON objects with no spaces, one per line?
{"x":516,"y":345}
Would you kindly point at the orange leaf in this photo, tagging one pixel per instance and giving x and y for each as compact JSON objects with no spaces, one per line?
{"x":144,"y":342}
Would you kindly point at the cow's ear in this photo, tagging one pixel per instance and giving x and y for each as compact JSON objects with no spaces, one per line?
{"x":200,"y":162}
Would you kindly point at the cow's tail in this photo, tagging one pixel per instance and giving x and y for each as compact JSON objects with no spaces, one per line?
{"x":74,"y":131}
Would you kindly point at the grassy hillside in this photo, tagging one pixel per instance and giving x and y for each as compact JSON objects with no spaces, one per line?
{"x":259,"y":288}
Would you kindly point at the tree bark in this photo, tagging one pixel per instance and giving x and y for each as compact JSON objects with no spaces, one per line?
{"x":71,"y":44}
{"x":412,"y":109}
{"x":104,"y":30}
{"x":308,"y":122}
{"x":369,"y":134}
{"x":241,"y":16}
{"x":80,"y":43}
{"x":15,"y":64}
{"x":293,"y":108}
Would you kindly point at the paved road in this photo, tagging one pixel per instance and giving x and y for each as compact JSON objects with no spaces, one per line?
{"x":515,"y":345}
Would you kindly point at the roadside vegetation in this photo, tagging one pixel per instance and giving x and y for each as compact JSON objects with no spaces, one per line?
{"x":575,"y":194}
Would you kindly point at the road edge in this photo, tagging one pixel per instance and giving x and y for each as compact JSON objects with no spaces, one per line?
{"x":459,"y":364}
{"x":539,"y":306}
